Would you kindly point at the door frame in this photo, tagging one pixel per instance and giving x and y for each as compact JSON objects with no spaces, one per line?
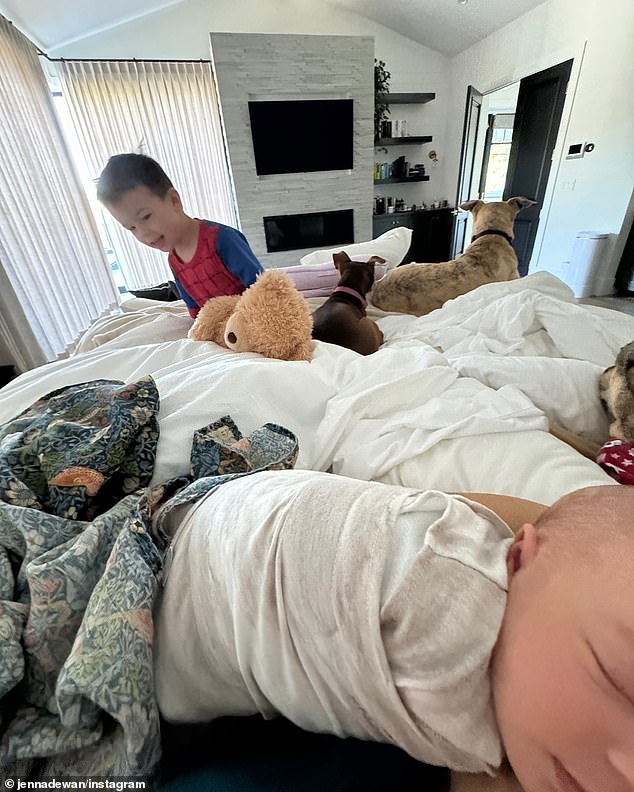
{"x":576,"y":53}
{"x":466,"y":170}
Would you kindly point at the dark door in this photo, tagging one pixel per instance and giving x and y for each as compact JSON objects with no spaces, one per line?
{"x":539,"y":106}
{"x":625,"y":272}
{"x":465,"y":175}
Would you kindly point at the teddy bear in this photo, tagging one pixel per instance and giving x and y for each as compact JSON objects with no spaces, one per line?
{"x":271,"y":317}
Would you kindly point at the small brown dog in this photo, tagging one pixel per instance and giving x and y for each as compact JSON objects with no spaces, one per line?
{"x":420,"y":288}
{"x":341,"y":319}
{"x":616,"y":391}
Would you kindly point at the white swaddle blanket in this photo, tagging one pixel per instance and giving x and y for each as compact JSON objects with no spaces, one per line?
{"x":350,"y":607}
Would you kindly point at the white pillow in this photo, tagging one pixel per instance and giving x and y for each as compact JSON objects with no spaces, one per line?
{"x":391,"y":246}
{"x":320,"y":280}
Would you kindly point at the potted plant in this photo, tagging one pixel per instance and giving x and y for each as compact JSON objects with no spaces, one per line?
{"x":381,"y":89}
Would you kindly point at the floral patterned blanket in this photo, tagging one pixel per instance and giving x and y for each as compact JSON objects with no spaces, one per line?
{"x":81,"y":554}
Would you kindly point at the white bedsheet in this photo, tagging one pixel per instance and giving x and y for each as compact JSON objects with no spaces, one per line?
{"x":406,"y":414}
{"x":362,"y":415}
{"x":530,"y":332}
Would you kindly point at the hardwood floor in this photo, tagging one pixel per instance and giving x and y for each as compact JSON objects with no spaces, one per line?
{"x":623,"y":304}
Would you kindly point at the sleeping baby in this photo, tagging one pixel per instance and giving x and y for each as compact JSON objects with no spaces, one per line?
{"x":411,"y":617}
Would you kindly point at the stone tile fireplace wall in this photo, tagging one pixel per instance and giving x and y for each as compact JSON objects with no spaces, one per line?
{"x":255,"y":66}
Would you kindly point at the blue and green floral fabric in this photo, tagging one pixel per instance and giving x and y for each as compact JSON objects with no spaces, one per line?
{"x":76,"y":595}
{"x":79,"y":449}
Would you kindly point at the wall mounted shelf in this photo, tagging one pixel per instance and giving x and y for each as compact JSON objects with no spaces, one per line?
{"x":409,"y":98}
{"x":402,"y":141}
{"x":402,"y":181}
{"x":431,"y":229}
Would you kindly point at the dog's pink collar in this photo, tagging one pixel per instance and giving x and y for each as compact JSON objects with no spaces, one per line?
{"x":354,"y":293}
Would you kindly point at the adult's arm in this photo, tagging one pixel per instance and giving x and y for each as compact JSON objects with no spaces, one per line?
{"x":514,"y":511}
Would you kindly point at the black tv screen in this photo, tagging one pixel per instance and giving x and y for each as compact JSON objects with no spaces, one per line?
{"x":301,"y":136}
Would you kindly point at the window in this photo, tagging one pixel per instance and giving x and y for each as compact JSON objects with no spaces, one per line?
{"x":89,"y":185}
{"x":497,"y":152}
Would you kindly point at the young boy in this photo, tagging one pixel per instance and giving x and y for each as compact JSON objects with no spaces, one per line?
{"x":411,"y":617}
{"x":207,"y":259}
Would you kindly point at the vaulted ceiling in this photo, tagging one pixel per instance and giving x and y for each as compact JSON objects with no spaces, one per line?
{"x":444,"y":25}
{"x":448,"y":26}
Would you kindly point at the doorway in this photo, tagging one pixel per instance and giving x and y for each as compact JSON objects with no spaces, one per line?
{"x":496,"y":127}
{"x":536,"y":120}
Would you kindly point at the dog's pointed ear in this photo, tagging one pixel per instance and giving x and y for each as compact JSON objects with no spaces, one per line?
{"x":376,"y":260}
{"x":471,"y":206}
{"x":340,"y":259}
{"x":520,"y":202}
{"x":625,"y":364}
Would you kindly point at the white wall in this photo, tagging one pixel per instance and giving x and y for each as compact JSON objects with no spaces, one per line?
{"x":183,"y":32}
{"x":598,"y":109}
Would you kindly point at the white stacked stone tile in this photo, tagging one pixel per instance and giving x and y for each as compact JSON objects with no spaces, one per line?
{"x":284,"y":66}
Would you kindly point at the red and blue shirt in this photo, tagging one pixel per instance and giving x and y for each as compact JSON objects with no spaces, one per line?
{"x":222,"y":264}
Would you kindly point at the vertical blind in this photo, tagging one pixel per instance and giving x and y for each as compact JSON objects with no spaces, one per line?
{"x":54,"y":277}
{"x":167,"y":110}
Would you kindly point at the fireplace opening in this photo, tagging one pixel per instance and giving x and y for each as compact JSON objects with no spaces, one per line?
{"x":309,"y":230}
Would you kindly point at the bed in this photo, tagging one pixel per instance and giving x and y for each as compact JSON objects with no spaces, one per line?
{"x":489,"y":370}
{"x":459,"y":400}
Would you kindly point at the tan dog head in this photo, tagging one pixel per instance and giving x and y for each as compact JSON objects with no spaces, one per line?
{"x":358,"y":275}
{"x":497,"y":215}
{"x":616,"y":391}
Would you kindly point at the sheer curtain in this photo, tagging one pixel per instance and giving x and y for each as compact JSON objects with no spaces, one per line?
{"x":167,"y":110}
{"x":54,"y":278}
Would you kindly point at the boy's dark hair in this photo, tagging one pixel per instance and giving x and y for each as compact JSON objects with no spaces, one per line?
{"x":124,"y":172}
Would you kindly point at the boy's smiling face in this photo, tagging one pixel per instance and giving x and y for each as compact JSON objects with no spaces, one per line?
{"x":154,"y":221}
{"x":563,"y":671}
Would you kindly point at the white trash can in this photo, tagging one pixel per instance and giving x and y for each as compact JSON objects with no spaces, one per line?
{"x":584,"y":269}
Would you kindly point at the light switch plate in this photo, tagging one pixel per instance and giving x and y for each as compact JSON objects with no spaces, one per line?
{"x":576,"y":150}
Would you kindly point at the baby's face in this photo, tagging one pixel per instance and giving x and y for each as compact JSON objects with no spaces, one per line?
{"x":564,"y":676}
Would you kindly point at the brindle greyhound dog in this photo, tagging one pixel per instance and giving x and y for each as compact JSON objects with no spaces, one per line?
{"x":420,"y":288}
{"x":341,"y":319}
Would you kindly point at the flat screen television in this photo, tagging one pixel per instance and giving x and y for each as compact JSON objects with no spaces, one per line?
{"x":302,"y":135}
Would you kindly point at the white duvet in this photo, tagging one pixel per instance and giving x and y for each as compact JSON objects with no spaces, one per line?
{"x":457,"y":400}
{"x":532,"y":333}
